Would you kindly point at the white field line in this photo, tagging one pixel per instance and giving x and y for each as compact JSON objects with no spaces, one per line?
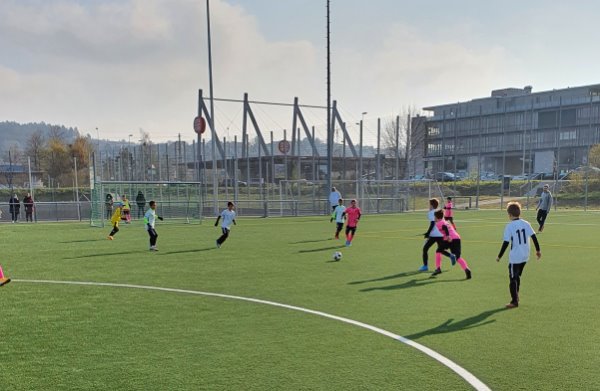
{"x":466,"y":375}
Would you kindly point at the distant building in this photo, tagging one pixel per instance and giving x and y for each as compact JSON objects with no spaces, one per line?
{"x":17,"y":175}
{"x":514,"y":131}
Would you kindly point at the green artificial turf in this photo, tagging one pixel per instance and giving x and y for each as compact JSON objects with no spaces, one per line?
{"x":80,"y":337}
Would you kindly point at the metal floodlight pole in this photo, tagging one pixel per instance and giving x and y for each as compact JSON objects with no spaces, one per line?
{"x":329,"y":127}
{"x":212,"y":111}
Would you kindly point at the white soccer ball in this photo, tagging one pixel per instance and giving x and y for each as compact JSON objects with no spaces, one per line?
{"x":337,"y":256}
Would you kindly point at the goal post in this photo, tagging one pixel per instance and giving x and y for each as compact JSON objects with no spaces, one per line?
{"x":177,"y":202}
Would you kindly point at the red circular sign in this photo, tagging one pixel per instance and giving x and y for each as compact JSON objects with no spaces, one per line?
{"x":199,"y":125}
{"x":284,"y":146}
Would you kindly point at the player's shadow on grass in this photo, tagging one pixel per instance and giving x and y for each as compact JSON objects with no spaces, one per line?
{"x":311,"y":241}
{"x":451,"y":326}
{"x":188,"y":251}
{"x":104,"y":254}
{"x":399,"y":275}
{"x":84,"y":241}
{"x":414,"y":283}
{"x":322,"y":249}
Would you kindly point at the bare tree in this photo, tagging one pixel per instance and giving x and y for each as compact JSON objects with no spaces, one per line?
{"x":36,"y":146}
{"x":14,"y":154}
{"x":56,"y":133}
{"x":388,"y":136}
{"x":395,"y":134}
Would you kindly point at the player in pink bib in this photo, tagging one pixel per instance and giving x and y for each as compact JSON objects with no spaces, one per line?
{"x":450,"y":241}
{"x":352,"y":214}
{"x":449,"y":211}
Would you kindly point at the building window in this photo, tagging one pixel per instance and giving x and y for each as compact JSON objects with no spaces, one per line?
{"x":568,"y":135}
{"x":433,"y":130}
{"x":548,"y":119}
{"x":434,"y":149}
{"x":568,"y":117}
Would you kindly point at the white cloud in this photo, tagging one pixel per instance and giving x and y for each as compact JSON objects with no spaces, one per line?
{"x":125,"y":65}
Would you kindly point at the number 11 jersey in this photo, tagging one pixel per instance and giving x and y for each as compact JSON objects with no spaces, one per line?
{"x":517,"y":233}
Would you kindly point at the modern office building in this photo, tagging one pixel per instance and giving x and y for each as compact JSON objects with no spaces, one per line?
{"x":514,"y":131}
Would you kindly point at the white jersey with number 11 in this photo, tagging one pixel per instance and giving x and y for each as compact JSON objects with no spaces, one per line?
{"x":517,"y":233}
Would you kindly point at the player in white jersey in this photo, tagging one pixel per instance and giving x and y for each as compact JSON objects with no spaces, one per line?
{"x":517,"y":234}
{"x":338,"y":215}
{"x":150,"y":221}
{"x":228,"y":216}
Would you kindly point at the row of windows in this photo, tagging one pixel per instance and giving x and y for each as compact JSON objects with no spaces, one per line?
{"x":514,"y":142}
{"x":509,"y":122}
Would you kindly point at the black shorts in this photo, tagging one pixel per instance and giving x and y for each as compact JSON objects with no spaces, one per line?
{"x":350,"y":229}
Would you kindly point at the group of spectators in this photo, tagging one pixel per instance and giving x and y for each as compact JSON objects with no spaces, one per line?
{"x":14,"y":207}
{"x":140,"y":200}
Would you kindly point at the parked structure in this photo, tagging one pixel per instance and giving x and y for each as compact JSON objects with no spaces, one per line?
{"x":512,"y":132}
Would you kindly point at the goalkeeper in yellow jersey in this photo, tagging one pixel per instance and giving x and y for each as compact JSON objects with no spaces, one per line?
{"x":116,"y":217}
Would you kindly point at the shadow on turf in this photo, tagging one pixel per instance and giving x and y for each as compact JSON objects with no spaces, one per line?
{"x":105,"y":254}
{"x":311,"y":241}
{"x":322,"y":249}
{"x":414,"y":283}
{"x":84,"y":241}
{"x":188,"y":251}
{"x":451,"y":326}
{"x":403,"y":274}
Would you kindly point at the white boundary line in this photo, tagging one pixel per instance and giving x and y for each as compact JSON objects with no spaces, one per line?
{"x":468,"y":376}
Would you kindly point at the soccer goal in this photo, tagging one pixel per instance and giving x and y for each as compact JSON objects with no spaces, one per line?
{"x":177,"y":202}
{"x":302,"y":197}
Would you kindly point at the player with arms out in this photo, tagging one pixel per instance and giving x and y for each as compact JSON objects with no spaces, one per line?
{"x":149,"y":221}
{"x":517,"y":234}
{"x":228,"y":216}
{"x":352,"y":214}
{"x":338,"y":215}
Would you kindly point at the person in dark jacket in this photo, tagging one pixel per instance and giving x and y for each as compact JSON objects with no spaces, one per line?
{"x":14,"y":206}
{"x":28,"y":204}
{"x":108,"y":204}
{"x":140,"y":200}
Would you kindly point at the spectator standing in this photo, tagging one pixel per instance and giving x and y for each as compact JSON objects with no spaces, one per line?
{"x":108,"y":203}
{"x":334,"y":198}
{"x":543,"y":207}
{"x":14,"y":206}
{"x":140,"y":200}
{"x":29,"y":205}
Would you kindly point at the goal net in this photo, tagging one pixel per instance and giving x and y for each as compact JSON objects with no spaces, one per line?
{"x":302,"y":197}
{"x":177,"y":202}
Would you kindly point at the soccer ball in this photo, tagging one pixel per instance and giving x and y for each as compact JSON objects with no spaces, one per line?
{"x":337,"y":256}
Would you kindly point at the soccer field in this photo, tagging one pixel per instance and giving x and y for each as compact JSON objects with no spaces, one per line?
{"x":127,"y":334}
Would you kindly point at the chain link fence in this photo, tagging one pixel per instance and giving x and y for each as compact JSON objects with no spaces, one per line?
{"x":305,"y":198}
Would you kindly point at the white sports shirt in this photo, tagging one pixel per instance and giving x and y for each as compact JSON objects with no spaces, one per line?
{"x":435,"y":233}
{"x":517,"y":233}
{"x":339,"y":213}
{"x":227,"y":217}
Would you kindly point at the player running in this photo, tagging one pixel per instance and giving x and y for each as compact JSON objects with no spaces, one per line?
{"x":338,"y":215}
{"x":451,"y":241}
{"x":352,"y":214}
{"x":228,"y":216}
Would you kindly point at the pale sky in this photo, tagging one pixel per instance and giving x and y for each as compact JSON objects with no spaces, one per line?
{"x":125,"y":65}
